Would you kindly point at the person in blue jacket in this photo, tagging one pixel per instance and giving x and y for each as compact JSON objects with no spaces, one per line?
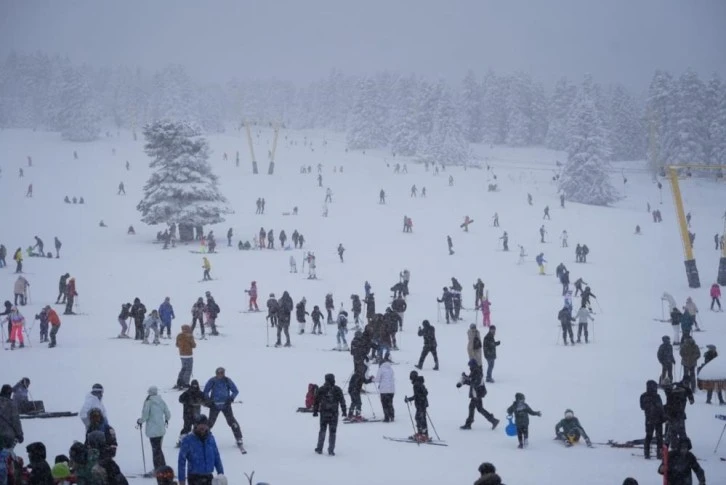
{"x":166,"y":314}
{"x":220,"y":392}
{"x":199,"y":456}
{"x":541,"y":262}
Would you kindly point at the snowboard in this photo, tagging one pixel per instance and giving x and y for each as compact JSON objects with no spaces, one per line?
{"x":411,"y":440}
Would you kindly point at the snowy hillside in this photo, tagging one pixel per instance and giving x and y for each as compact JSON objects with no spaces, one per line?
{"x":601,"y":381}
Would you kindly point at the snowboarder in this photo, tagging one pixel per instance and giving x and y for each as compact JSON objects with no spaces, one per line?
{"x":715,"y":293}
{"x":155,"y":414}
{"x":505,"y":241}
{"x":198,"y":455}
{"x":450,"y":244}
{"x":666,"y":359}
{"x":652,"y":406}
{"x":569,"y":430}
{"x":420,"y":402}
{"x":490,"y":351}
{"x":252,"y":293}
{"x":521,"y":412}
{"x":341,"y":250}
{"x":186,"y":344}
{"x":428,"y":332}
{"x":207,"y":267}
{"x":565,"y":318}
{"x":166,"y":315}
{"x":466,"y":223}
{"x":327,"y":400}
{"x":221,"y":392}
{"x":477,"y":392}
{"x":583,"y":315}
{"x":546,"y":213}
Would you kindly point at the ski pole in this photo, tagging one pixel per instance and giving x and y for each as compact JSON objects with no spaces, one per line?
{"x":432,"y":425}
{"x":408,"y":406}
{"x":28,"y":336}
{"x":598,"y":306}
{"x":143,"y":453}
{"x":719,"y":439}
{"x":267,"y":327}
{"x":370,"y":403}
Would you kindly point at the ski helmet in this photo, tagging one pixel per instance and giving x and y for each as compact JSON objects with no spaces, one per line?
{"x":569,"y":413}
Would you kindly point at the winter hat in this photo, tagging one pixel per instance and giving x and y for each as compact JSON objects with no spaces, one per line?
{"x":96,"y":439}
{"x":519,"y":396}
{"x":473,"y":363}
{"x":413,"y":375}
{"x":630,"y":481}
{"x":711,"y":347}
{"x":153,"y":391}
{"x":6,"y":391}
{"x":194,"y":383}
{"x":487,"y":467}
{"x":344,"y":313}
{"x":569,"y":413}
{"x":666,"y":339}
{"x":426,"y":323}
{"x":219,"y":370}
{"x":472,"y":326}
{"x":492,"y":327}
{"x":97,"y":389}
{"x":272,"y":295}
{"x":329,"y":379}
{"x":201,"y":419}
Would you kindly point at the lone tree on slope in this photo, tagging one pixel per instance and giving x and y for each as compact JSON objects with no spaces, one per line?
{"x":182,"y":189}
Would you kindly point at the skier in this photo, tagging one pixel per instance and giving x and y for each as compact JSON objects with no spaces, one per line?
{"x":62,"y":285}
{"x":563,"y":238}
{"x":708,"y":356}
{"x":293,"y":264}
{"x":522,"y":254}
{"x":252,"y":292}
{"x":273,"y":309}
{"x":578,"y":285}
{"x":505,"y":241}
{"x":447,"y":300}
{"x":270,"y":239}
{"x":474,"y":345}
{"x":677,"y":395}
{"x":18,"y":258}
{"x":263,"y":235}
{"x":311,"y":265}
{"x":328,"y":195}
{"x":521,"y":412}
{"x":690,"y":353}
{"x":382,"y":197}
{"x":682,"y":464}
{"x":198,"y":315}
{"x":286,"y":307}
{"x":355,"y":387}
{"x":341,"y":250}
{"x":20,"y":289}
{"x":562,"y":200}
{"x":317,"y":316}
{"x":221,"y":392}
{"x":327,"y":400}
{"x":198,"y":455}
{"x":300,"y":315}
{"x":414,"y":190}
{"x":356,"y":308}
{"x":478,"y":293}
{"x":166,"y":315}
{"x":155,"y":414}
{"x":370,"y":302}
{"x":186,"y":345}
{"x":192,"y":400}
{"x":93,"y":400}
{"x":585,"y":252}
{"x":578,"y":253}
{"x":420,"y":402}
{"x":152,"y":323}
{"x":450,"y":244}
{"x":17,"y":325}
{"x":211,"y":310}
{"x":490,"y":351}
{"x":230,"y":233}
{"x":295,"y":238}
{"x":565,"y":318}
{"x":342,"y":330}
{"x":540,"y":260}
{"x":715,"y":296}
{"x":583,"y":315}
{"x":207,"y":267}
{"x":546,"y":213}
{"x":121,"y":189}
{"x":652,"y":406}
{"x":138,"y":312}
{"x":666,"y":359}
{"x":486,"y":312}
{"x":585,"y":297}
{"x":477,"y":392}
{"x":542,"y":233}
{"x":55,"y":323}
{"x":428,"y":332}
{"x":495,"y":221}
{"x":569,"y":430}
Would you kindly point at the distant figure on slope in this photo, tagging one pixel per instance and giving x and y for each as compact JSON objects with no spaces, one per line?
{"x":207,"y":267}
{"x":450,"y":244}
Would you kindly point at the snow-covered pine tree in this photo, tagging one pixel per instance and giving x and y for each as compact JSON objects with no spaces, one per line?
{"x":691,"y":130}
{"x":711,"y":107}
{"x":446,"y":144}
{"x":368,"y":119}
{"x":519,"y":109}
{"x":404,"y":135}
{"x":495,"y":108}
{"x":173,"y":97}
{"x":182,"y":189}
{"x":78,"y":118}
{"x":472,"y":108}
{"x":717,"y":130}
{"x":585,"y":177}
{"x":559,"y":108}
{"x":625,"y":125}
{"x":660,"y":116}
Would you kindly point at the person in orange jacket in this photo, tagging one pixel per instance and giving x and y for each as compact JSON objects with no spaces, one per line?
{"x":55,"y":324}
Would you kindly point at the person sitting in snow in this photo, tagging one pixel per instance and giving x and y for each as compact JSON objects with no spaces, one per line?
{"x":569,"y":430}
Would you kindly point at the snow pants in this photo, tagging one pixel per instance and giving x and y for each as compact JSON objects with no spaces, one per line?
{"x":156,"y":452}
{"x":195,"y":319}
{"x":522,"y":434}
{"x":650,"y":429}
{"x":147,"y":333}
{"x":43,"y":331}
{"x":487,"y":318}
{"x":69,"y":304}
{"x":53,"y":332}
{"x":167,"y":326}
{"x":425,"y":352}
{"x":355,"y":404}
{"x":283,"y":326}
{"x":253,"y":304}
{"x":475,"y":404}
{"x":580,"y":328}
{"x":716,"y":301}
{"x":341,"y":336}
{"x":567,"y":330}
{"x":229,"y":416}
{"x":185,"y":373}
{"x":666,"y":370}
{"x":16,"y":334}
{"x":420,"y":417}
{"x":387,"y":404}
{"x":331,"y":423}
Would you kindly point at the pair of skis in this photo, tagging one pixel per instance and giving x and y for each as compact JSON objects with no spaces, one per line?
{"x":410,"y":439}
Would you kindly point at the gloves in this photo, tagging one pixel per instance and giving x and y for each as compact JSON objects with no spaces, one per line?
{"x":315,"y":414}
{"x":139,"y":422}
{"x":458,"y":385}
{"x":405,"y":399}
{"x":539,"y":413}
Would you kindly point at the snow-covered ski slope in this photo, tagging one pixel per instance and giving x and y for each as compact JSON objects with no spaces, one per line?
{"x":601,"y":381}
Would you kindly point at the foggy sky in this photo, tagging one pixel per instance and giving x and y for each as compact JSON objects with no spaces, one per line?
{"x":301,"y":40}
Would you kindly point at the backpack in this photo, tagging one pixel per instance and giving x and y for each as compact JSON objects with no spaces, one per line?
{"x":328,"y":401}
{"x":310,"y":396}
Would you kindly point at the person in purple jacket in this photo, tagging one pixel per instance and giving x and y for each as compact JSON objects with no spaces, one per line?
{"x":166,"y":315}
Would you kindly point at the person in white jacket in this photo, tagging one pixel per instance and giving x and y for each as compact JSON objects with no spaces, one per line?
{"x":583,"y":315}
{"x":671,"y":301}
{"x":693,"y":310}
{"x":155,"y":414}
{"x":387,"y":388}
{"x":93,"y":400}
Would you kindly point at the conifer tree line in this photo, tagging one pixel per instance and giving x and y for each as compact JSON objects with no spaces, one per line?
{"x":678,"y":119}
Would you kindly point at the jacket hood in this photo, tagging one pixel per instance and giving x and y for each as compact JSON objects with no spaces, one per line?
{"x":153,"y":391}
{"x":36,"y":451}
{"x":186,"y":328}
{"x":666,"y":339}
{"x":330,"y":379}
{"x":651,"y":386}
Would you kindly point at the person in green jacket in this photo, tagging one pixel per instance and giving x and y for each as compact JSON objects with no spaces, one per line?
{"x":521,"y":412}
{"x":569,"y":430}
{"x":156,"y":415}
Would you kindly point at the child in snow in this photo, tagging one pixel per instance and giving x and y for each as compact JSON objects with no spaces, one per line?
{"x":317,"y":316}
{"x":569,"y":430}
{"x":521,"y":412}
{"x":486,"y":311}
{"x":342,"y":330}
{"x":293,"y":264}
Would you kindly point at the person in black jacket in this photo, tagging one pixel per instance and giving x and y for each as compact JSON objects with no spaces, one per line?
{"x":359,"y":348}
{"x":428,"y":332}
{"x":286,"y":307}
{"x":666,"y":359}
{"x":192,"y":400}
{"x":6,"y":313}
{"x":198,"y":315}
{"x":399,"y":306}
{"x":327,"y":400}
{"x":585,"y":297}
{"x":478,"y":293}
{"x":273,"y":309}
{"x":566,"y":319}
{"x":138,"y":312}
{"x":370,"y":302}
{"x":681,"y":464}
{"x":652,"y":406}
{"x":329,"y":307}
{"x":708,"y":356}
{"x":212,"y":310}
{"x":490,"y":351}
{"x":392,"y":324}
{"x":62,"y":283}
{"x":300,"y":313}
{"x":448,"y":302}
{"x":677,"y":395}
{"x":355,"y":387}
{"x":477,"y":391}
{"x":40,"y":473}
{"x":420,"y":402}
{"x":357,"y":307}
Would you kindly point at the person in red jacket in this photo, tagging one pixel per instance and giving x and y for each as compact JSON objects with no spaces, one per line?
{"x":253,"y":297}
{"x":55,"y":323}
{"x":71,"y":295}
{"x":715,"y":296}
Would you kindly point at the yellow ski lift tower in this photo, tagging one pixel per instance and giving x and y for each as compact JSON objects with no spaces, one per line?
{"x":271,"y":168}
{"x":690,"y":262}
{"x":252,"y":148}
